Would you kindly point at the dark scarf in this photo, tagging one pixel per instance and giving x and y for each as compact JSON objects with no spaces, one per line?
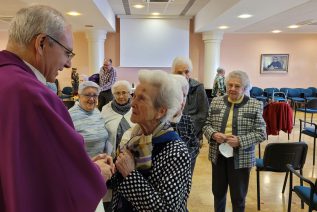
{"x":121,"y":109}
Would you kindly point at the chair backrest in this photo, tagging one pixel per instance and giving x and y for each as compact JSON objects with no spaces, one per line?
{"x":314,"y":90}
{"x":311,"y":104}
{"x":269,"y":91}
{"x":256,"y":91}
{"x":67,"y":90}
{"x":277,"y":155}
{"x":293,"y":92}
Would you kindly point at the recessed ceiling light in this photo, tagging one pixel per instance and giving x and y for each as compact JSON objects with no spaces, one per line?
{"x":223,"y":27}
{"x":293,"y":26}
{"x":156,"y":13}
{"x":138,"y":6}
{"x":73,"y":13}
{"x":245,"y":16}
{"x":276,"y":31}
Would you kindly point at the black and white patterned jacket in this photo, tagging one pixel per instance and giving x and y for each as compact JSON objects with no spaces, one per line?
{"x":165,"y":188}
{"x":248,"y":124}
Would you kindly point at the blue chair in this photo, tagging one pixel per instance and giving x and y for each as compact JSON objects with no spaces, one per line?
{"x":67,"y":93}
{"x":268,"y":92}
{"x":305,"y":193}
{"x":309,"y":129}
{"x":257,"y":93}
{"x":309,"y":107}
{"x":276,"y":157}
{"x":314,"y":91}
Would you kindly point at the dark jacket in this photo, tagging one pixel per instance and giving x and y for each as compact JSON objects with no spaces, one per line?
{"x":197,"y":105}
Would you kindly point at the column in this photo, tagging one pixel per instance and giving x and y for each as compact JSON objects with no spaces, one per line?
{"x":96,"y":51}
{"x":212,"y":42}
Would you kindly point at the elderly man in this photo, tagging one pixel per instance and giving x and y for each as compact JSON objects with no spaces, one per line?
{"x":197,"y":102}
{"x":43,"y":163}
{"x":108,"y":76}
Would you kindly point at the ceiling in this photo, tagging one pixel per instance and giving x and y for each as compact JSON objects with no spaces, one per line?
{"x":268,"y":15}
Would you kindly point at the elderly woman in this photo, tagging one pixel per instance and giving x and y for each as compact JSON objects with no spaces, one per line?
{"x":87,"y":118}
{"x":154,"y":164}
{"x":197,"y":112}
{"x":234,"y":126}
{"x":183,"y":124}
{"x":117,"y":114}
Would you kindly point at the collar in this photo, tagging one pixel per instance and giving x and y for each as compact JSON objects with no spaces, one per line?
{"x":38,"y":74}
{"x":237,"y":101}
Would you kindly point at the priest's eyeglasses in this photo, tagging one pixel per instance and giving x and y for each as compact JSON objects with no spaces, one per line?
{"x":69,"y":53}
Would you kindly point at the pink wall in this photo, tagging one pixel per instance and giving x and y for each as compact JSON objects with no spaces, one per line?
{"x":243,"y":51}
{"x":238,"y":51}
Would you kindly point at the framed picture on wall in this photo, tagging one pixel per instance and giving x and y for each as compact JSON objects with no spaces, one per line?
{"x":274,"y":63}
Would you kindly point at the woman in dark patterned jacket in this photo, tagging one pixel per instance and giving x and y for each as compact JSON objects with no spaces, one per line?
{"x":233,"y":127}
{"x":153,"y":164}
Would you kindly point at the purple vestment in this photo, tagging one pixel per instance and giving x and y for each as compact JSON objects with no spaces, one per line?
{"x":43,"y":163}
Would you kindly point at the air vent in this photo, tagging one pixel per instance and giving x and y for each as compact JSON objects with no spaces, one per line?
{"x":158,"y":1}
{"x":6,"y":19}
{"x":307,"y":22}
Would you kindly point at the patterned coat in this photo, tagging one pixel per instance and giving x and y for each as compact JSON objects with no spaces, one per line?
{"x":248,"y":124}
{"x":165,"y":187}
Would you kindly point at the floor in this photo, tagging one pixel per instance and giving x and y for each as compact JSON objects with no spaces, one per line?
{"x":272,"y":199}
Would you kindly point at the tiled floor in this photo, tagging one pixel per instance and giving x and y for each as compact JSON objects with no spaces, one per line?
{"x":272,"y":199}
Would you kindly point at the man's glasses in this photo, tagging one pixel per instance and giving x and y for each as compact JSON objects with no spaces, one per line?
{"x":88,"y":96}
{"x":69,"y":53}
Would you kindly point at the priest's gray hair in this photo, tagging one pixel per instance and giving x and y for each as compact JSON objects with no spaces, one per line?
{"x":124,"y":83}
{"x":31,"y":21}
{"x":87,"y":84}
{"x":168,"y":94}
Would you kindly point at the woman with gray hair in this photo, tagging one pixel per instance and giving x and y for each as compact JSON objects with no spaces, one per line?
{"x":153,"y":158}
{"x":233,"y":127}
{"x":87,"y":118}
{"x":183,"y":124}
{"x":117,"y":114}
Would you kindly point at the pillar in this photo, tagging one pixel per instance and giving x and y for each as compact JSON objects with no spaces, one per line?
{"x":96,"y":51}
{"x":212,"y":42}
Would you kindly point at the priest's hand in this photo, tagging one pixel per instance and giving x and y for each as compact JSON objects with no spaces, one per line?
{"x":106,"y":170}
{"x":125,"y":163}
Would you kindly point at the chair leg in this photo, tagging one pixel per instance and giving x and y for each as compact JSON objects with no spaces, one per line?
{"x":290,"y":192}
{"x":258,"y":188}
{"x":259,"y":145}
{"x":301,"y":184}
{"x":285,"y":181}
{"x":314,"y":152}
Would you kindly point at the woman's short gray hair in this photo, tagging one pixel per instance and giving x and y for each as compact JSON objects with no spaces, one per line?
{"x":31,"y":21}
{"x":86,"y":84}
{"x":183,"y":83}
{"x":121,"y":83}
{"x":167,"y":95}
{"x":245,"y":81}
{"x":182,"y":61}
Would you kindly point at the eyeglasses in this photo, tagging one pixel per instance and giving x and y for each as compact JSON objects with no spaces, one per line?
{"x":69,"y":53}
{"x":123,"y":93}
{"x":88,"y":96}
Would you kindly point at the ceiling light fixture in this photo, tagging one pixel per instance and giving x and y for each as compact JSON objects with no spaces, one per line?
{"x":156,"y":13}
{"x":293,"y":26}
{"x":245,"y":16}
{"x":138,"y":6}
{"x":276,"y":31}
{"x":223,"y":27}
{"x":73,"y":13}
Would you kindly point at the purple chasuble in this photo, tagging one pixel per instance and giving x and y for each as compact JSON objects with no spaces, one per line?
{"x":43,"y":163}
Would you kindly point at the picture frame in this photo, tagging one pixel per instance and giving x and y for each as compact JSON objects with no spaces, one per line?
{"x":274,"y":63}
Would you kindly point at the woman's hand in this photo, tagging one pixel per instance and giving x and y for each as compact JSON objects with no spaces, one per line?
{"x":233,"y":141}
{"x":125,"y":163}
{"x":219,"y":137}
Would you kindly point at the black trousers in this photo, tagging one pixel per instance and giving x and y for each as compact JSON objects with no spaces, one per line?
{"x":104,"y":97}
{"x":224,"y":175}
